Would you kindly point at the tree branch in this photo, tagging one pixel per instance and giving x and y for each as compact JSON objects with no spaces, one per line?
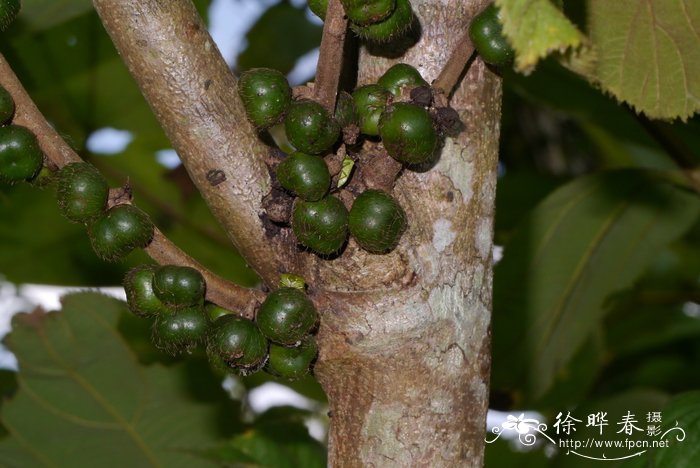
{"x":161,"y":249}
{"x":193,"y":94}
{"x":330,"y":60}
{"x":453,"y":69}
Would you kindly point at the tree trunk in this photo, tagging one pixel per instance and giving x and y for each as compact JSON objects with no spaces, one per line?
{"x":405,"y":337}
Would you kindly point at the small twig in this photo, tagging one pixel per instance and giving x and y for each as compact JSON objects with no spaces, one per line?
{"x":161,"y":249}
{"x":452,"y":71}
{"x":330,"y":61}
{"x":664,"y":135}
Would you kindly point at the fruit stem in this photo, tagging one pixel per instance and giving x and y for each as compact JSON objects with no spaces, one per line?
{"x":453,"y":70}
{"x":330,"y":60}
{"x":161,"y":249}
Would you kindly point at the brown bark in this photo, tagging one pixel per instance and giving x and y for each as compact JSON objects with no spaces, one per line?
{"x":404,"y":337}
{"x":193,"y":94}
{"x":405,"y":344}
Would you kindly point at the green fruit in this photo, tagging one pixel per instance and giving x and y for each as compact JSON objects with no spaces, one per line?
{"x":140,"y":296}
{"x":365,"y":12}
{"x":118,"y":231}
{"x":7,"y":106}
{"x":180,"y":331}
{"x":305,"y":176}
{"x":286,"y":316}
{"x":20,"y":155}
{"x":8,"y":12}
{"x":215,"y":311}
{"x":487,"y":37}
{"x":370,"y":101}
{"x":376,"y":221}
{"x":401,"y":75}
{"x":179,"y":286}
{"x":396,"y":25}
{"x":82,"y":192}
{"x":319,"y":8}
{"x":407,"y":133}
{"x":238,"y":342}
{"x":345,"y":110}
{"x":292,"y":363}
{"x":266,"y":95}
{"x":309,"y":128}
{"x":322,"y":226}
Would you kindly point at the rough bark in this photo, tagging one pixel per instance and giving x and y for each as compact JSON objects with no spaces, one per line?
{"x":404,"y":337}
{"x":405,"y":344}
{"x":192,"y":92}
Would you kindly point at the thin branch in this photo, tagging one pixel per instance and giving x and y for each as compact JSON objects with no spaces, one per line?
{"x":674,"y":148}
{"x":453,"y":70}
{"x":330,"y":60}
{"x":161,"y":249}
{"x":183,"y":77}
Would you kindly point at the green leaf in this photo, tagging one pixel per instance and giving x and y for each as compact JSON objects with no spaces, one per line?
{"x":535,"y":29}
{"x":587,"y":240}
{"x":85,"y":401}
{"x":272,"y":33}
{"x":289,"y":280}
{"x":37,"y":15}
{"x":648,"y":54}
{"x":683,"y":410}
{"x":278,"y":439}
{"x":345,"y":171}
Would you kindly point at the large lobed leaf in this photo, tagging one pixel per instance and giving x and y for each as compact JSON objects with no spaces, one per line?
{"x":587,"y":240}
{"x":648,"y":53}
{"x":536,"y":28}
{"x":84,"y":400}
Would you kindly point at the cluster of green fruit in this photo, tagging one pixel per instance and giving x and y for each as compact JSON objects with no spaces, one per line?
{"x":387,"y":109}
{"x":279,"y":340}
{"x":373,"y":20}
{"x":114,"y":232}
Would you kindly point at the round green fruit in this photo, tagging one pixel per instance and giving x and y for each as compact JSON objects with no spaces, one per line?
{"x":399,"y":76}
{"x":345,"y":110}
{"x":238,"y":342}
{"x":486,"y":34}
{"x":7,"y":106}
{"x":305,"y":176}
{"x":215,"y":311}
{"x":8,"y":12}
{"x":20,"y":155}
{"x":370,"y":101}
{"x":140,"y":297}
{"x":322,"y":226}
{"x":179,"y":286}
{"x":180,"y":331}
{"x":82,"y":192}
{"x":396,"y":25}
{"x":266,"y":95}
{"x":286,"y":316}
{"x":408,"y":133}
{"x":376,"y":221}
{"x":309,"y":128}
{"x":366,"y":12}
{"x":118,"y":231}
{"x":292,"y":363}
